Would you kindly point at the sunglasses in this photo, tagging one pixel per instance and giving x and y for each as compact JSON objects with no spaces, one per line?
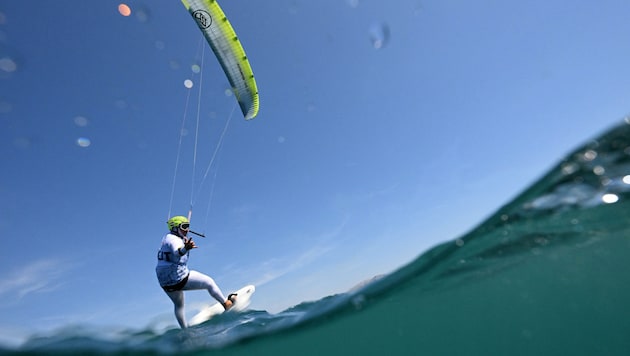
{"x":184,"y":226}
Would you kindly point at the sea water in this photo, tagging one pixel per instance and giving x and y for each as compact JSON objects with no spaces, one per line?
{"x":547,"y":274}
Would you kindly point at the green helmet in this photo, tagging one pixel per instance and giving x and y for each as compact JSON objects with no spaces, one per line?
{"x":174,"y":222}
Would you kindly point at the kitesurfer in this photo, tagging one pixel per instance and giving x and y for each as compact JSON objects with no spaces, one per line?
{"x":173,"y":273}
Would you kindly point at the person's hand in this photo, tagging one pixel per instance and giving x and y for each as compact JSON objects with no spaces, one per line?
{"x":189,"y":244}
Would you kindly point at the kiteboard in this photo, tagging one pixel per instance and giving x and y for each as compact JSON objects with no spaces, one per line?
{"x":243,"y":297}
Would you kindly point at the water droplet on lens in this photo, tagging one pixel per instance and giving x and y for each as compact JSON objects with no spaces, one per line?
{"x":81,"y":121}
{"x":599,"y":170}
{"x":589,"y":155}
{"x":142,"y":14}
{"x":610,"y":198}
{"x":124,"y":10}
{"x":8,"y":65}
{"x":83,"y":142}
{"x":570,"y":168}
{"x":174,"y":64}
{"x":379,"y":35}
{"x":359,"y":301}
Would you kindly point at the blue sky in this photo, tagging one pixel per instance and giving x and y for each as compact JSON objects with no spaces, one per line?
{"x":362,"y":156}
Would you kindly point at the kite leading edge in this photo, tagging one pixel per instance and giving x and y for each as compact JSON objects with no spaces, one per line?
{"x":228,"y":50}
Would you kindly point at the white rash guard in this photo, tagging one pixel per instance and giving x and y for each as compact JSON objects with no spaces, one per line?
{"x":172,"y":265}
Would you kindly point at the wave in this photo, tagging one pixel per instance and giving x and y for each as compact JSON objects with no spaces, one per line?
{"x":546,"y":274}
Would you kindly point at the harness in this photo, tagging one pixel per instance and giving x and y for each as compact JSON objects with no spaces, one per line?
{"x":175,"y":287}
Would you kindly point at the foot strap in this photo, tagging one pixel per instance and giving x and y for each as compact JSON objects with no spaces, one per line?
{"x":231,"y":298}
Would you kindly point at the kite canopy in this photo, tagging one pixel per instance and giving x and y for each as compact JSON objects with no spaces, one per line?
{"x":228,"y":50}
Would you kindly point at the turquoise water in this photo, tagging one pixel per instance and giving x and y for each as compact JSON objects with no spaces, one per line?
{"x":547,"y":274}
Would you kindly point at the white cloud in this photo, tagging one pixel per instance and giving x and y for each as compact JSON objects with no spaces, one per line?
{"x":37,"y":277}
{"x":274,"y":268}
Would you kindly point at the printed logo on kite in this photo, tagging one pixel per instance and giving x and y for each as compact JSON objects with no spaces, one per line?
{"x":204,"y":20}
